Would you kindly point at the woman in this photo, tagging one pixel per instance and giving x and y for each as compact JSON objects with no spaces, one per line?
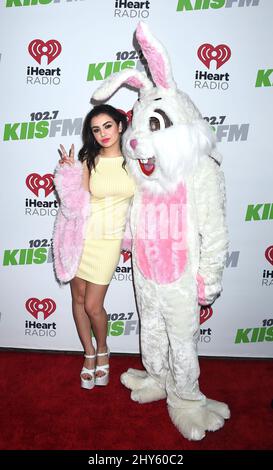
{"x":103,"y":174}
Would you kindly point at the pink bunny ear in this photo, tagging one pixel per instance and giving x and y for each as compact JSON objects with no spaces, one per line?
{"x":130,"y":76}
{"x":157,"y":57}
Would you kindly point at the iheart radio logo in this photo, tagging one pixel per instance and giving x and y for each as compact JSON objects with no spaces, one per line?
{"x":35,"y":306}
{"x":205,"y":314}
{"x":221,"y":54}
{"x":269,"y":254}
{"x":35,"y":182}
{"x":38,"y":48}
{"x":126,"y":255}
{"x":129,"y":114}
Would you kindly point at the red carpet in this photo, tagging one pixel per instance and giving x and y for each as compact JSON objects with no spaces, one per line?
{"x":43,"y":407}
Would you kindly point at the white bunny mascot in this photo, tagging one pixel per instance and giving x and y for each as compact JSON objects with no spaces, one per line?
{"x":179,"y":237}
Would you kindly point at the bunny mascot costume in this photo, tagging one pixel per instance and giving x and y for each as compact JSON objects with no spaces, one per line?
{"x":179,"y":237}
{"x":178,"y":230}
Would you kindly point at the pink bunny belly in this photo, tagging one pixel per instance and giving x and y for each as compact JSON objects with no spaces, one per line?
{"x":161,"y":251}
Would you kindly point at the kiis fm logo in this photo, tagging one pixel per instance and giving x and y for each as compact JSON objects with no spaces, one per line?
{"x":38,"y":252}
{"x":122,"y":324}
{"x":263,"y":78}
{"x":232,"y":259}
{"x":42,"y":125}
{"x":40,"y":310}
{"x":131,"y":9}
{"x":37,"y":184}
{"x":218,"y":55}
{"x":48,"y":52}
{"x":228,"y":132}
{"x":124,"y":60}
{"x":256,"y":212}
{"x":205,"y":333}
{"x":189,"y":5}
{"x":267,"y":278}
{"x":124,"y":273}
{"x":27,"y":3}
{"x":257,"y":334}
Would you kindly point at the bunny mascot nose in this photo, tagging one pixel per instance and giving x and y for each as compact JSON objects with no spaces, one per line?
{"x":133,"y":143}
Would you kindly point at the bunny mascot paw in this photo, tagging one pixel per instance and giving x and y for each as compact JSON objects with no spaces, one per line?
{"x":179,"y":237}
{"x":144,"y":388}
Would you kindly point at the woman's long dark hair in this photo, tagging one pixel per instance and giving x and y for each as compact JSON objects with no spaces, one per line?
{"x":91,"y":148}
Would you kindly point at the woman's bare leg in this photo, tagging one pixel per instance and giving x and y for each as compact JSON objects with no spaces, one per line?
{"x":94,"y":298}
{"x":82,"y":320}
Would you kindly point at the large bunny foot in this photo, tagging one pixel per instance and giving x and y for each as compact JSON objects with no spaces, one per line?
{"x":188,"y":422}
{"x":194,"y":418}
{"x":137,"y":372}
{"x":144,"y":388}
{"x":219,"y":407}
{"x":133,"y":378}
{"x":148,"y":394}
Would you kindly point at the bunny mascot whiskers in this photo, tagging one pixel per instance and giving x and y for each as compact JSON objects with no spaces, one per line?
{"x":179,"y":237}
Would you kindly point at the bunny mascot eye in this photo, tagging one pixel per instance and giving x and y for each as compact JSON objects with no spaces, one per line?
{"x":159,"y":120}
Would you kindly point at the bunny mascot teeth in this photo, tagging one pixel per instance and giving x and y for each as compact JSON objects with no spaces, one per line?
{"x":179,"y":237}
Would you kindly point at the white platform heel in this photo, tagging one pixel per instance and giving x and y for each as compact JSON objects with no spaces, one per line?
{"x":88,"y":383}
{"x":104,"y":379}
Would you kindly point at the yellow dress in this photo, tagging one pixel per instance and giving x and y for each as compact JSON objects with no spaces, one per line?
{"x":111,"y":190}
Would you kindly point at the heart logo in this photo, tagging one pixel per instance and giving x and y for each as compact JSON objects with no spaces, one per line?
{"x":35,"y":306}
{"x":221,"y":54}
{"x":38,"y":48}
{"x":269,"y":254}
{"x":205,"y":314}
{"x":129,"y":114}
{"x":35,"y":182}
{"x":126,"y":255}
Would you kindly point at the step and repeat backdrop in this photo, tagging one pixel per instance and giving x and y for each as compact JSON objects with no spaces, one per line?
{"x":53,"y":55}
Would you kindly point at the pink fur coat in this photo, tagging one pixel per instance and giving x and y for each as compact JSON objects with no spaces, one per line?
{"x":70,"y":223}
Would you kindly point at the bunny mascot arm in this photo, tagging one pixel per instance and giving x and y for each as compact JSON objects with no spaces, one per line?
{"x":70,"y":221}
{"x":179,"y":237}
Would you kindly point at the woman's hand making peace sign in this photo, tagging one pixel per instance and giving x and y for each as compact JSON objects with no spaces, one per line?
{"x":67,"y":158}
